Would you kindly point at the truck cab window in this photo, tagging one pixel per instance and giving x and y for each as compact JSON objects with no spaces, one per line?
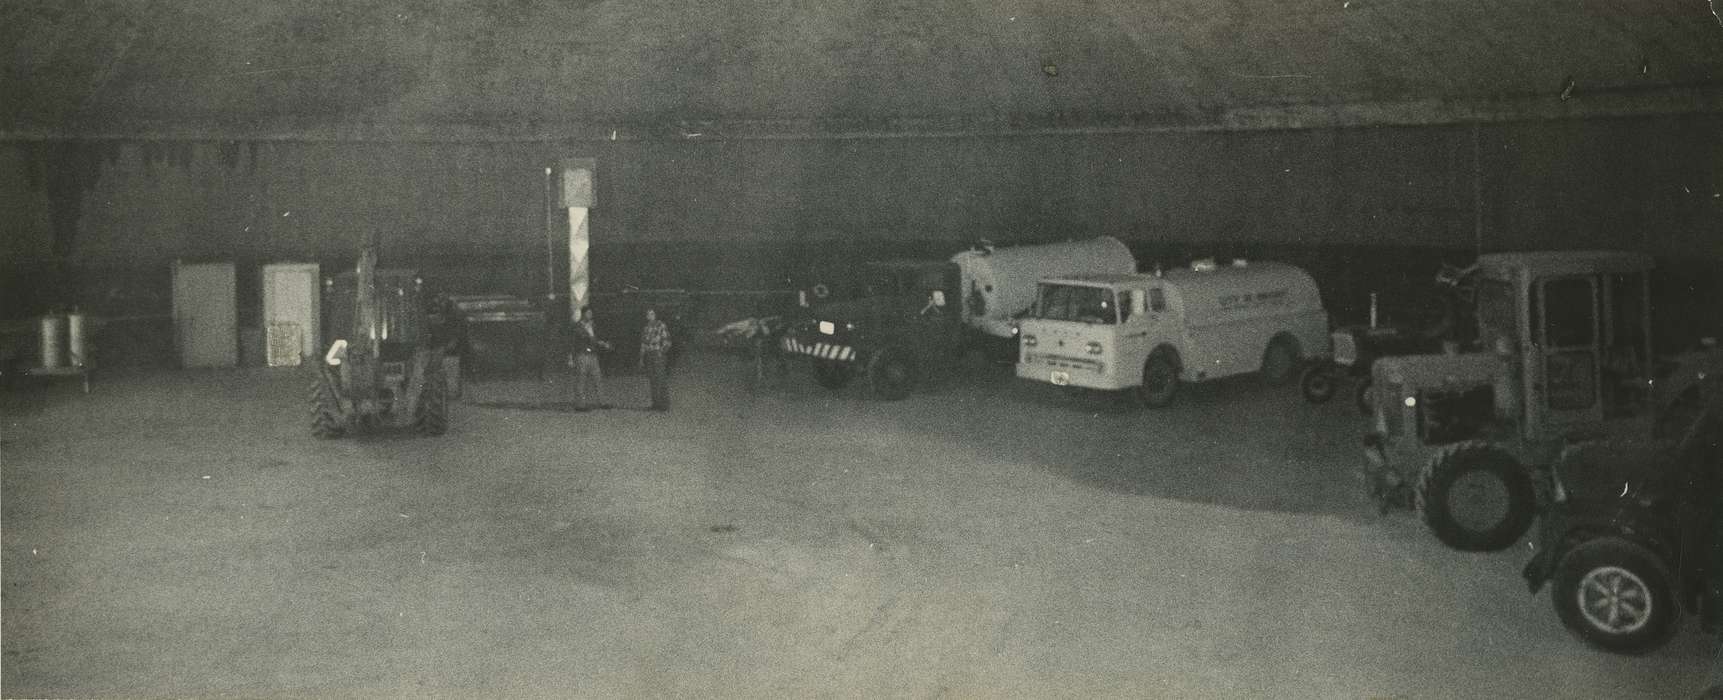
{"x":1064,"y":302}
{"x":1157,"y":299}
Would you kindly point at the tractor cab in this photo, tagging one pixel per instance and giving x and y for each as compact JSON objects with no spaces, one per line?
{"x":1563,"y":353}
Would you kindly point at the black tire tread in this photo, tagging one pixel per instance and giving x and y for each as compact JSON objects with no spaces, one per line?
{"x":1441,"y":470}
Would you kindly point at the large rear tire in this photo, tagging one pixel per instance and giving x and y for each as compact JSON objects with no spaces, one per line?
{"x":432,"y":413}
{"x":1616,"y":596}
{"x":1160,"y":380}
{"x":326,"y":420}
{"x":890,"y":374}
{"x":1476,"y":498}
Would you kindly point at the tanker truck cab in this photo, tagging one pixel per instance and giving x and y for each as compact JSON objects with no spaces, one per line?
{"x":1151,"y":333}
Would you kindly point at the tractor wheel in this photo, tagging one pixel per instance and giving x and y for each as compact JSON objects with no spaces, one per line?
{"x":832,"y":375}
{"x":890,"y":374}
{"x":326,"y":420}
{"x":1476,"y":498}
{"x":431,"y":416}
{"x":1318,"y":385}
{"x":1364,"y":395}
{"x":1616,"y":596}
{"x":1280,"y":361}
{"x":1160,"y":380}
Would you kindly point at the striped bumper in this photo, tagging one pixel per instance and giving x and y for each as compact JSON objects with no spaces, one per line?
{"x":823,"y":351}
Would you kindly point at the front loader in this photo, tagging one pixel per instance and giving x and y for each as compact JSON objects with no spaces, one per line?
{"x":384,"y":370}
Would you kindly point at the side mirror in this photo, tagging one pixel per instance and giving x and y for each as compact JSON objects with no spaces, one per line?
{"x":939,"y":298}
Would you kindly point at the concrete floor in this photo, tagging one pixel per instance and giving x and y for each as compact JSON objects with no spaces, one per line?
{"x":179,"y":533}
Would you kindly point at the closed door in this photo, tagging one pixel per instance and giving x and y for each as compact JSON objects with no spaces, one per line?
{"x":204,"y":325}
{"x":290,"y":312}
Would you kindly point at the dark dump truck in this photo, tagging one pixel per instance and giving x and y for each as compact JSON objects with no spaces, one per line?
{"x":899,"y":327}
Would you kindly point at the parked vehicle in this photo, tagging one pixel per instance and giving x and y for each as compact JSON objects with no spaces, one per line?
{"x":1356,"y":347}
{"x":1633,"y":539}
{"x":385,"y":367}
{"x":911,"y":318}
{"x":1152,"y":333}
{"x":1563,"y":350}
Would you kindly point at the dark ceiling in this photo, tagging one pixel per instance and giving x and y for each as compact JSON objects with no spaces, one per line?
{"x":512,"y":68}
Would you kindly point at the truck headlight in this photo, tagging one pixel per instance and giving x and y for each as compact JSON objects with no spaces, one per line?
{"x":1093,"y":347}
{"x":1029,"y":340}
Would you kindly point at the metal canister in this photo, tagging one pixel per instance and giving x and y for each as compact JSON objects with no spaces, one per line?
{"x":53,"y":354}
{"x":77,"y":343}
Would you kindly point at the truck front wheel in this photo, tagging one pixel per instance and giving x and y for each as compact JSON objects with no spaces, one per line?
{"x":1160,"y":381}
{"x":890,"y":375}
{"x":1615,"y":595}
{"x":1476,"y":498}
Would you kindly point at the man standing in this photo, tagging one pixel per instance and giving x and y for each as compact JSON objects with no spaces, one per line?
{"x":654,"y":345}
{"x":588,"y":378}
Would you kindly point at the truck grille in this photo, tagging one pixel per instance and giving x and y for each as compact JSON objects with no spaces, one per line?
{"x":824,"y":351}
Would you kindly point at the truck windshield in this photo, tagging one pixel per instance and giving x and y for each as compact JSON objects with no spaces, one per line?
{"x":1067,"y":302}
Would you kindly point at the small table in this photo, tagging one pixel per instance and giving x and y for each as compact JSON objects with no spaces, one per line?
{"x":80,"y":372}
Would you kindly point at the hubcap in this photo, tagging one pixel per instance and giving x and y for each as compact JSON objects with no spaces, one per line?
{"x":1478,"y":501}
{"x":1614,"y":600}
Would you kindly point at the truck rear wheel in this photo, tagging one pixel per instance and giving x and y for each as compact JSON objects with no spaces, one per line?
{"x":832,"y":375}
{"x":890,"y":375}
{"x":1160,"y":380}
{"x":1476,"y":498}
{"x":326,"y":420}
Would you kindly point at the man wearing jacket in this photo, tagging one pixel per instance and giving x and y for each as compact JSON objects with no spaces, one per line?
{"x":583,"y":357}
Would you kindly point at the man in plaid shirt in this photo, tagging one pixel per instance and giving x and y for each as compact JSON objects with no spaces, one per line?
{"x":654,"y":345}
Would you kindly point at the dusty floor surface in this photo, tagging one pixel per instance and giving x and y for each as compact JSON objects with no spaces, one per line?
{"x":180,"y":534}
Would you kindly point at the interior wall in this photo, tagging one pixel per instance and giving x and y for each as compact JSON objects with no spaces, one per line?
{"x":96,"y":223}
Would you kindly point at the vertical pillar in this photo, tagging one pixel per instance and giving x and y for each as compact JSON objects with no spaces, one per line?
{"x":577,"y":197}
{"x":579,"y":281}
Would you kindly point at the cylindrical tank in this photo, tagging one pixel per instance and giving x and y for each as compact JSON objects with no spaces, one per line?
{"x":77,"y":343}
{"x":53,"y":356}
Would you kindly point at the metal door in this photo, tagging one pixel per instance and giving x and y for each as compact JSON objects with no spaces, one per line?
{"x":290,"y":312}
{"x":1566,"y":329}
{"x":205,"y":327}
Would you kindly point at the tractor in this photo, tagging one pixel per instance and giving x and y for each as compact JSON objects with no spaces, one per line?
{"x":1562,"y":354}
{"x":384,"y":370}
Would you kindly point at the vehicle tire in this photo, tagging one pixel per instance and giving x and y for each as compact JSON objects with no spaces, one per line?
{"x":890,"y":375}
{"x":1318,"y":382}
{"x":1160,"y":380}
{"x":1365,"y":395}
{"x":1458,"y":497}
{"x":1616,"y":596}
{"x":832,"y":375}
{"x":431,"y":415}
{"x":1280,"y":361}
{"x":326,"y":420}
